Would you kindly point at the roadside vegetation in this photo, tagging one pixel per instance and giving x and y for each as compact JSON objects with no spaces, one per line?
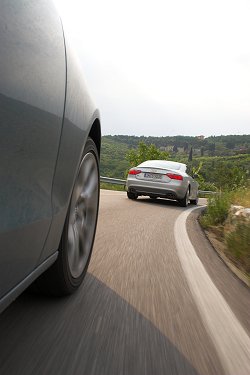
{"x":218,"y":206}
{"x":217,"y":210}
{"x":238,"y":245}
{"x":225,"y":159}
{"x":232,"y":230}
{"x":107,"y":186}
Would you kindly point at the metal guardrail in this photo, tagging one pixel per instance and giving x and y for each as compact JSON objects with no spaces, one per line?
{"x":117,"y":181}
{"x":207,"y":192}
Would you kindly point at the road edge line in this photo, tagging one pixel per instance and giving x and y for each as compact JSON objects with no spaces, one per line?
{"x":228,"y":335}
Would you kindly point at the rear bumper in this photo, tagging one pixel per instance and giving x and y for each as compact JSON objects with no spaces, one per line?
{"x":170,"y":192}
{"x":153,"y":192}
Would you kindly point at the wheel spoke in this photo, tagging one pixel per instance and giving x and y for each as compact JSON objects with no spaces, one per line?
{"x":82,"y":216}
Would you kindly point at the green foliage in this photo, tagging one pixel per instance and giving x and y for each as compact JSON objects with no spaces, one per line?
{"x":190,"y":156}
{"x":236,"y":235}
{"x":107,"y":186}
{"x":194,"y":169}
{"x":206,"y":186}
{"x":229,"y":178}
{"x":238,"y":244}
{"x":175,"y":148}
{"x":113,"y":162}
{"x":217,"y":172}
{"x":145,"y":152}
{"x":217,"y":210}
{"x":219,"y":145}
{"x":226,"y":173}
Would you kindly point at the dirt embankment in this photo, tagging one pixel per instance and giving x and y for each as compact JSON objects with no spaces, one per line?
{"x":232,"y":241}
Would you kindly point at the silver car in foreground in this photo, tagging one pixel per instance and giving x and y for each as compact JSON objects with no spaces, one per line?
{"x":50,"y":139}
{"x":164,"y":179}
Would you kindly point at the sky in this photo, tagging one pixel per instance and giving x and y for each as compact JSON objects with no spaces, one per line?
{"x":164,"y":67}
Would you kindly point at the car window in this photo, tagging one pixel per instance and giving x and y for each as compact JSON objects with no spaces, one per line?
{"x":163,"y":164}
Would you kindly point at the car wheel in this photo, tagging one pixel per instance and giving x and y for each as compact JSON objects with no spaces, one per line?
{"x":194,"y":201}
{"x":184,"y":201}
{"x":68,"y":272}
{"x":131,"y":195}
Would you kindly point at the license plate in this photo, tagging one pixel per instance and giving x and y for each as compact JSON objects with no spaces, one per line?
{"x":154,"y":176}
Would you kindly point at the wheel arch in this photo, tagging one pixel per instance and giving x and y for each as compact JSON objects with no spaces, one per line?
{"x":95,"y":134}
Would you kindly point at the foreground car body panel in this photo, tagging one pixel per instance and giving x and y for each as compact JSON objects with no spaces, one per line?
{"x":32,"y":84}
{"x":81,"y":119}
{"x":46,"y":117}
{"x":151,"y":178}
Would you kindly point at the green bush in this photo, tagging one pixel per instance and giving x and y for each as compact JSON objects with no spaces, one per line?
{"x":145,"y":152}
{"x":217,"y":210}
{"x":238,"y":244}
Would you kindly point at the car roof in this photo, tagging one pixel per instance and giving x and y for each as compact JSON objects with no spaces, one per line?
{"x":168,"y":164}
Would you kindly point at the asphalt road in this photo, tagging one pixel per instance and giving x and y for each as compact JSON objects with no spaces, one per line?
{"x":157,"y":300}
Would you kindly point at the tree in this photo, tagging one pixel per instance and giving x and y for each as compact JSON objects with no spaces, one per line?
{"x":175,"y":148}
{"x":230,"y":144}
{"x":229,"y":178}
{"x":211,"y":148}
{"x":190,"y":156}
{"x":185,"y":147}
{"x":145,"y":152}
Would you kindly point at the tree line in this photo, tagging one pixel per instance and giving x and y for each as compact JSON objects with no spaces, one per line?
{"x":214,"y":172}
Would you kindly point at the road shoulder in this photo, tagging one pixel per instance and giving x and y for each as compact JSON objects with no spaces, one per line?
{"x":233,"y":290}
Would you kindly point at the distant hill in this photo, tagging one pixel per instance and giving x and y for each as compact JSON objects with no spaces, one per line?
{"x":113,"y":162}
{"x":115,"y":147}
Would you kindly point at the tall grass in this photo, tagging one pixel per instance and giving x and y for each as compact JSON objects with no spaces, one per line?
{"x":241,"y":197}
{"x":238,"y":245}
{"x":217,"y":210}
{"x":236,"y":237}
{"x":107,"y":186}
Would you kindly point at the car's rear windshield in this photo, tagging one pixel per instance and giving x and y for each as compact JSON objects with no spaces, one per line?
{"x":164,"y":164}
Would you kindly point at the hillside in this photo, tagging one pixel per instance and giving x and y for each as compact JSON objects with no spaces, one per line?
{"x":113,"y":163}
{"x":215,"y":153}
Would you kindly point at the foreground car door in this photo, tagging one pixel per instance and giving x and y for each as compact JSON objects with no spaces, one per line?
{"x":32,"y":93}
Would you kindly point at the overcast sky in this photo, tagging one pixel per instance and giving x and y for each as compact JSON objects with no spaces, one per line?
{"x":165,"y":67}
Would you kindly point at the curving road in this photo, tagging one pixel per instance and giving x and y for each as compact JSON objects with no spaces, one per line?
{"x":157,"y":300}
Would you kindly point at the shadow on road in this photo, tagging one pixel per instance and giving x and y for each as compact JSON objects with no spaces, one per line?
{"x":160,"y":202}
{"x":94,"y":332}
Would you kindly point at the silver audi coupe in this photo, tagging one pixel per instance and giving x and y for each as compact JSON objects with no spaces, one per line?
{"x":164,"y":179}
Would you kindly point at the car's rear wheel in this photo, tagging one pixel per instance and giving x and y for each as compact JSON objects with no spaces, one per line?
{"x":131,"y":195}
{"x":194,"y":201}
{"x":68,"y":272}
{"x":184,"y":201}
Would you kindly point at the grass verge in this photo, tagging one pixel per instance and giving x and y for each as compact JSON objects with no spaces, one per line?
{"x":107,"y":186}
{"x":233,"y":239}
{"x":238,"y":245}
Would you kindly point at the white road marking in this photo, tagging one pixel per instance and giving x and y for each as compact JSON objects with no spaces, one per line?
{"x":229,"y":337}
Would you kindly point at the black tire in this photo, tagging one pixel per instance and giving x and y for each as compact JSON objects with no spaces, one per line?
{"x":194,"y":201}
{"x":61,"y":279}
{"x":131,"y":195}
{"x":184,"y":201}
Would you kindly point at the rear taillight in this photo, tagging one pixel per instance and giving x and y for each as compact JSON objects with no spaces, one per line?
{"x":174,"y":176}
{"x":134,"y":171}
